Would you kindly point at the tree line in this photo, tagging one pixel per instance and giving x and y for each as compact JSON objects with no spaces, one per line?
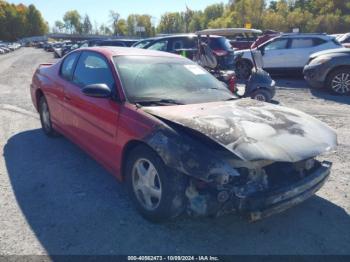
{"x":18,"y":21}
{"x":331,"y":16}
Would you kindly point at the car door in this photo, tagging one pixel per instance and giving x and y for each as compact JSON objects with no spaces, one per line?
{"x":93,"y":121}
{"x":300,"y":50}
{"x":275,"y":53}
{"x":66,"y":71}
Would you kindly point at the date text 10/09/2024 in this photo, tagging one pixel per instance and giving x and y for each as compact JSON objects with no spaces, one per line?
{"x":173,"y":258}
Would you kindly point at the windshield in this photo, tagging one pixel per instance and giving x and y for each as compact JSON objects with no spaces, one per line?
{"x":147,"y":78}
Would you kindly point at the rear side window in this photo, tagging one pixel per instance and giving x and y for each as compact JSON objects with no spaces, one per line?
{"x":177,"y":44}
{"x":302,"y":43}
{"x":319,"y":41}
{"x":92,"y":68}
{"x":68,"y":66}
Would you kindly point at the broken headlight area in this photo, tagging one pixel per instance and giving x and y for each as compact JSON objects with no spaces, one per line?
{"x":260,"y":191}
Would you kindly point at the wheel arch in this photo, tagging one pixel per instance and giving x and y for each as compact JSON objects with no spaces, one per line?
{"x":127,"y":149}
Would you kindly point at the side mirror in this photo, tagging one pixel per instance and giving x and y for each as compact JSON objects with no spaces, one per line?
{"x":97,"y":90}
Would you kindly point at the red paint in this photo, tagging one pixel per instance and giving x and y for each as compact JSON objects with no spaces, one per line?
{"x":102,"y":127}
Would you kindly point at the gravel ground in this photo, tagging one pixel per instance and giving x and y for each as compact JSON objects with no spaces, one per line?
{"x":54,"y":199}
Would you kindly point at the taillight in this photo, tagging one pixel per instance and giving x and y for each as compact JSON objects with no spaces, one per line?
{"x":232,"y":84}
{"x":219,"y":52}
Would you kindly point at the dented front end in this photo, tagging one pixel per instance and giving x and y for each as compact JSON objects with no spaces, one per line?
{"x":247,"y":158}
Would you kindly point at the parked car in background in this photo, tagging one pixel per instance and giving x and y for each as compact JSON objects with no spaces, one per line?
{"x":240,"y":38}
{"x":344,"y":40}
{"x":287,"y":53}
{"x":145,"y":42}
{"x":177,"y":137}
{"x":115,"y":42}
{"x":330,"y":69}
{"x":9,"y":47}
{"x":266,"y":36}
{"x":179,"y":43}
{"x":5,"y":48}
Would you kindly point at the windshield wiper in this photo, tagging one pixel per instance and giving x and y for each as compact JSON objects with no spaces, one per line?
{"x":158,"y":102}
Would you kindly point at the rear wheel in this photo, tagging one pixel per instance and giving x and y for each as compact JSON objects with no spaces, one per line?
{"x":45,"y":118}
{"x":157,"y":192}
{"x":261,"y":95}
{"x":339,"y":81}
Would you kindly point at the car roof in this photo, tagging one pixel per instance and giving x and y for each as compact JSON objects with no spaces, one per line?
{"x":183,"y":35}
{"x":302,"y":35}
{"x":227,"y":31}
{"x":111,"y":51}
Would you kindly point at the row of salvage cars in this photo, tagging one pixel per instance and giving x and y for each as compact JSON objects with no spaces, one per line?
{"x":178,"y":137}
{"x":8,"y":47}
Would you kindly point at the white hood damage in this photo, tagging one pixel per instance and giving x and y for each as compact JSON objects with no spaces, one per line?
{"x":254,"y":130}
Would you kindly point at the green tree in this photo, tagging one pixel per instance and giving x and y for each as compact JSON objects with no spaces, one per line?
{"x":171,"y":23}
{"x":87,"y":26}
{"x":17,"y":21}
{"x":211,"y":13}
{"x":122,"y":27}
{"x":59,"y":25}
{"x":72,"y":20}
{"x":114,"y":18}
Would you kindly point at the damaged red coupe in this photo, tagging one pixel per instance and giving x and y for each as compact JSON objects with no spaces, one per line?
{"x":178,"y":137}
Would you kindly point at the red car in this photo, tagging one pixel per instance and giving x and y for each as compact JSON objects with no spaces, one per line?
{"x":178,"y":136}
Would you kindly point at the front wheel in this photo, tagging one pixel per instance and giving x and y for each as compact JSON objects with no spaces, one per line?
{"x":45,"y":118}
{"x":157,"y":192}
{"x":262,"y":95}
{"x":339,"y":81}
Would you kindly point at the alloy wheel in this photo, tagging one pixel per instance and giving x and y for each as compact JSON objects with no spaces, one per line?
{"x":341,"y":83}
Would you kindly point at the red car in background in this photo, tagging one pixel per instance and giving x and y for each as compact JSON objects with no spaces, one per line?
{"x":178,"y":136}
{"x":266,"y":36}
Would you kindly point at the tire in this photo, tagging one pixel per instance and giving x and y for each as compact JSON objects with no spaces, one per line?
{"x":261,"y":95}
{"x":165,"y":190}
{"x":45,"y":118}
{"x":338,"y":81}
{"x":243,"y":69}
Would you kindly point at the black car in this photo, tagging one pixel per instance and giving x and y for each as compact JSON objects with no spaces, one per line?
{"x":330,"y":69}
{"x":221,"y":47}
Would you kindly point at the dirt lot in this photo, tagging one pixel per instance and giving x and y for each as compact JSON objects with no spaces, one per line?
{"x":54,"y":199}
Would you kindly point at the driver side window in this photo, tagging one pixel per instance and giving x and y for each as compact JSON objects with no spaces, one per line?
{"x":92,"y":68}
{"x":277,"y":44}
{"x":68,"y":66}
{"x":160,"y":46}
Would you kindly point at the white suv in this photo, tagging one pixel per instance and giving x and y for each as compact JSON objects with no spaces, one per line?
{"x":285,"y":53}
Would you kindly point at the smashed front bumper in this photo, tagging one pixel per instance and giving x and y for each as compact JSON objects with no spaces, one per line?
{"x":264,"y":204}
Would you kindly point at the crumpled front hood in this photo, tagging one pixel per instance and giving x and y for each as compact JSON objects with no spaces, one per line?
{"x":254,"y":130}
